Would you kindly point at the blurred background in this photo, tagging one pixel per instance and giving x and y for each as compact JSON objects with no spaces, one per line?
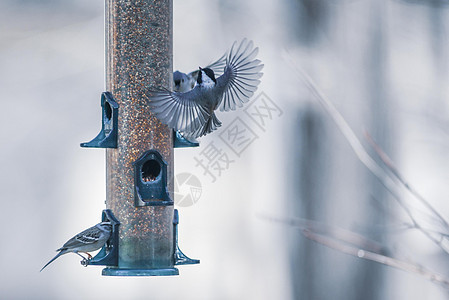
{"x":382,"y":63}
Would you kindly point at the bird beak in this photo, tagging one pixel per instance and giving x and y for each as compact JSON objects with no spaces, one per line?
{"x":200,"y":68}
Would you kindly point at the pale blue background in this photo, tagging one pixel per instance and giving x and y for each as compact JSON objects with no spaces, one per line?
{"x":383,"y":63}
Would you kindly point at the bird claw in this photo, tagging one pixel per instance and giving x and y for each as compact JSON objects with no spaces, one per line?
{"x":85,"y":262}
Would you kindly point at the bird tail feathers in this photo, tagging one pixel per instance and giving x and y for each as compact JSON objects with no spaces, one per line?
{"x":61,"y":252}
{"x":211,"y":124}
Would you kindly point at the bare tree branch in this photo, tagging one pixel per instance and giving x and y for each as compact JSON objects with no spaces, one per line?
{"x":339,"y":233}
{"x":356,"y":245}
{"x":376,"y":257}
{"x":387,"y":180}
{"x":390,"y":165}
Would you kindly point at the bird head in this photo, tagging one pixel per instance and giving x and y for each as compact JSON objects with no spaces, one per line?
{"x":206,"y":77}
{"x":106,"y":226}
{"x":181,"y":81}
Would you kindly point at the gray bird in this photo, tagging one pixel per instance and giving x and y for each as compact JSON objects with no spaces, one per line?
{"x":89,"y":240}
{"x":183,"y":82}
{"x":192,"y":112}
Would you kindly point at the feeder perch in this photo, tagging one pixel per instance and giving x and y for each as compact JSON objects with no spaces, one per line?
{"x":107,"y":138}
{"x":181,"y":258}
{"x":108,"y":255}
{"x":179,"y":141}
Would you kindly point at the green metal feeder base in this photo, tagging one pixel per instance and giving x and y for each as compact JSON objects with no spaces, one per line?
{"x":139,"y":272}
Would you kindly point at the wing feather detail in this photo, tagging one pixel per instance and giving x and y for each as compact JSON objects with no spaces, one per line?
{"x":241,"y":75}
{"x":178,"y":110}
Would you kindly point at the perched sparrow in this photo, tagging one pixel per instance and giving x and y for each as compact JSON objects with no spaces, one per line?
{"x":89,"y":240}
{"x":192,"y":112}
{"x":185,"y":82}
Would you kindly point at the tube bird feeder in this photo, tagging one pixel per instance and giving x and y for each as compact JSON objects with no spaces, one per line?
{"x":139,"y":55}
{"x":139,"y":165}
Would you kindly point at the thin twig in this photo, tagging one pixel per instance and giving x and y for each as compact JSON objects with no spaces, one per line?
{"x":376,"y":257}
{"x":390,"y":165}
{"x":385,"y":179}
{"x":339,"y":233}
{"x":354,"y":244}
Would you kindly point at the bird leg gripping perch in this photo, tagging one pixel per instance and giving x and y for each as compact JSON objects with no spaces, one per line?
{"x":104,"y":235}
{"x":85,"y":261}
{"x":108,"y":255}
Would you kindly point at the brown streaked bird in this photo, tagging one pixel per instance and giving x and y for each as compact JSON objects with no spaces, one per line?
{"x":89,"y":240}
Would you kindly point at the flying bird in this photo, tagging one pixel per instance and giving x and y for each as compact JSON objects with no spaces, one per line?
{"x":193,"y":112}
{"x":89,"y":240}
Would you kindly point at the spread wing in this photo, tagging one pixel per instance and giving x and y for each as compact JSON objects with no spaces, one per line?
{"x":217,"y":66}
{"x":241,"y":75}
{"x":179,"y":111}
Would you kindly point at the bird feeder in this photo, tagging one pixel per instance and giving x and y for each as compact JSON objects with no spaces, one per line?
{"x":139,"y":148}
